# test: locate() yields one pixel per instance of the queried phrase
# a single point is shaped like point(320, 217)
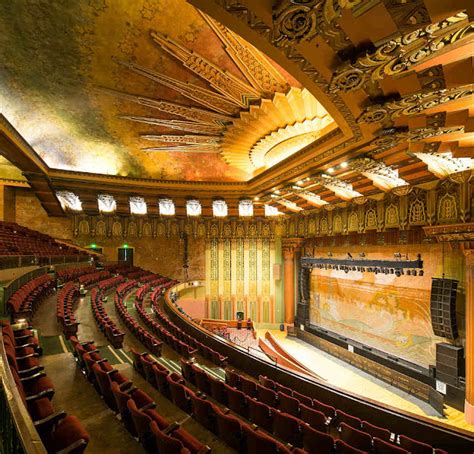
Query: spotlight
point(414, 273)
point(376, 271)
point(363, 269)
point(349, 256)
point(329, 254)
point(361, 254)
point(421, 273)
point(347, 269)
point(392, 271)
point(397, 273)
point(354, 268)
point(408, 273)
point(397, 255)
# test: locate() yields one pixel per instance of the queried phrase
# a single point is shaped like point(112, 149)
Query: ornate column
point(289, 247)
point(469, 353)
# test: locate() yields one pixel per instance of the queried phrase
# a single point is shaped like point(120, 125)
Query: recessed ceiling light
point(330, 170)
point(256, 198)
point(344, 164)
point(277, 191)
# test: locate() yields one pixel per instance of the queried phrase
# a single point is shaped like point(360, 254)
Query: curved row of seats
point(148, 285)
point(109, 283)
point(93, 278)
point(57, 430)
point(163, 334)
point(24, 302)
point(137, 409)
point(71, 274)
point(125, 288)
point(356, 433)
point(65, 300)
point(18, 240)
point(234, 431)
point(150, 341)
point(104, 322)
point(204, 350)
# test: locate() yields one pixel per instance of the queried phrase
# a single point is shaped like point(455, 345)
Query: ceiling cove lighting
point(106, 203)
point(69, 201)
point(193, 207)
point(246, 208)
point(138, 205)
point(271, 210)
point(166, 207)
point(219, 208)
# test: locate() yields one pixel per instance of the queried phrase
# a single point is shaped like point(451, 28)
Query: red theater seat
point(218, 391)
point(345, 448)
point(260, 414)
point(229, 430)
point(376, 431)
point(232, 378)
point(104, 382)
point(384, 447)
point(237, 401)
point(414, 446)
point(180, 395)
point(266, 395)
point(348, 419)
point(305, 400)
point(161, 380)
point(287, 428)
point(355, 438)
point(141, 399)
point(175, 441)
point(202, 380)
point(316, 442)
point(248, 387)
point(203, 412)
point(315, 418)
point(258, 442)
point(67, 436)
point(288, 404)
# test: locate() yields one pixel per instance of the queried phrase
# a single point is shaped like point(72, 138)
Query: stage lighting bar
point(397, 267)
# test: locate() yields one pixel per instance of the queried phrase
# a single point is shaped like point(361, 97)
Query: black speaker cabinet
point(443, 308)
point(449, 363)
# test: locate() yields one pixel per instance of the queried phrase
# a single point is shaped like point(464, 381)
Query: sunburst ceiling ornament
point(253, 121)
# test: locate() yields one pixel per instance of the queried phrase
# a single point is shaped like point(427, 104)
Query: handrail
point(18, 261)
point(15, 417)
point(421, 427)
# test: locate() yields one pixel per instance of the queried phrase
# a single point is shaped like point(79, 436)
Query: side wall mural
point(383, 311)
point(239, 277)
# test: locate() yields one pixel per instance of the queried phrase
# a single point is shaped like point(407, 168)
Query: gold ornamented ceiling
point(148, 89)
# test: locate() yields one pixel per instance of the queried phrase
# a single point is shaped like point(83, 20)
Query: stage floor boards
point(349, 378)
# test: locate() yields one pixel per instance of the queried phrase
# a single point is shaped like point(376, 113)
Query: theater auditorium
point(237, 226)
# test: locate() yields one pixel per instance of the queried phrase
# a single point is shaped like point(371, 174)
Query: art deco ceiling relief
point(253, 122)
point(296, 104)
point(148, 89)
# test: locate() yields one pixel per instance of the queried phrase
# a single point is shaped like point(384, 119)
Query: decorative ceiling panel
point(149, 89)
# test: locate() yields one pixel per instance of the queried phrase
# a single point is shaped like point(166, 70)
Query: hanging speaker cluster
point(443, 307)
